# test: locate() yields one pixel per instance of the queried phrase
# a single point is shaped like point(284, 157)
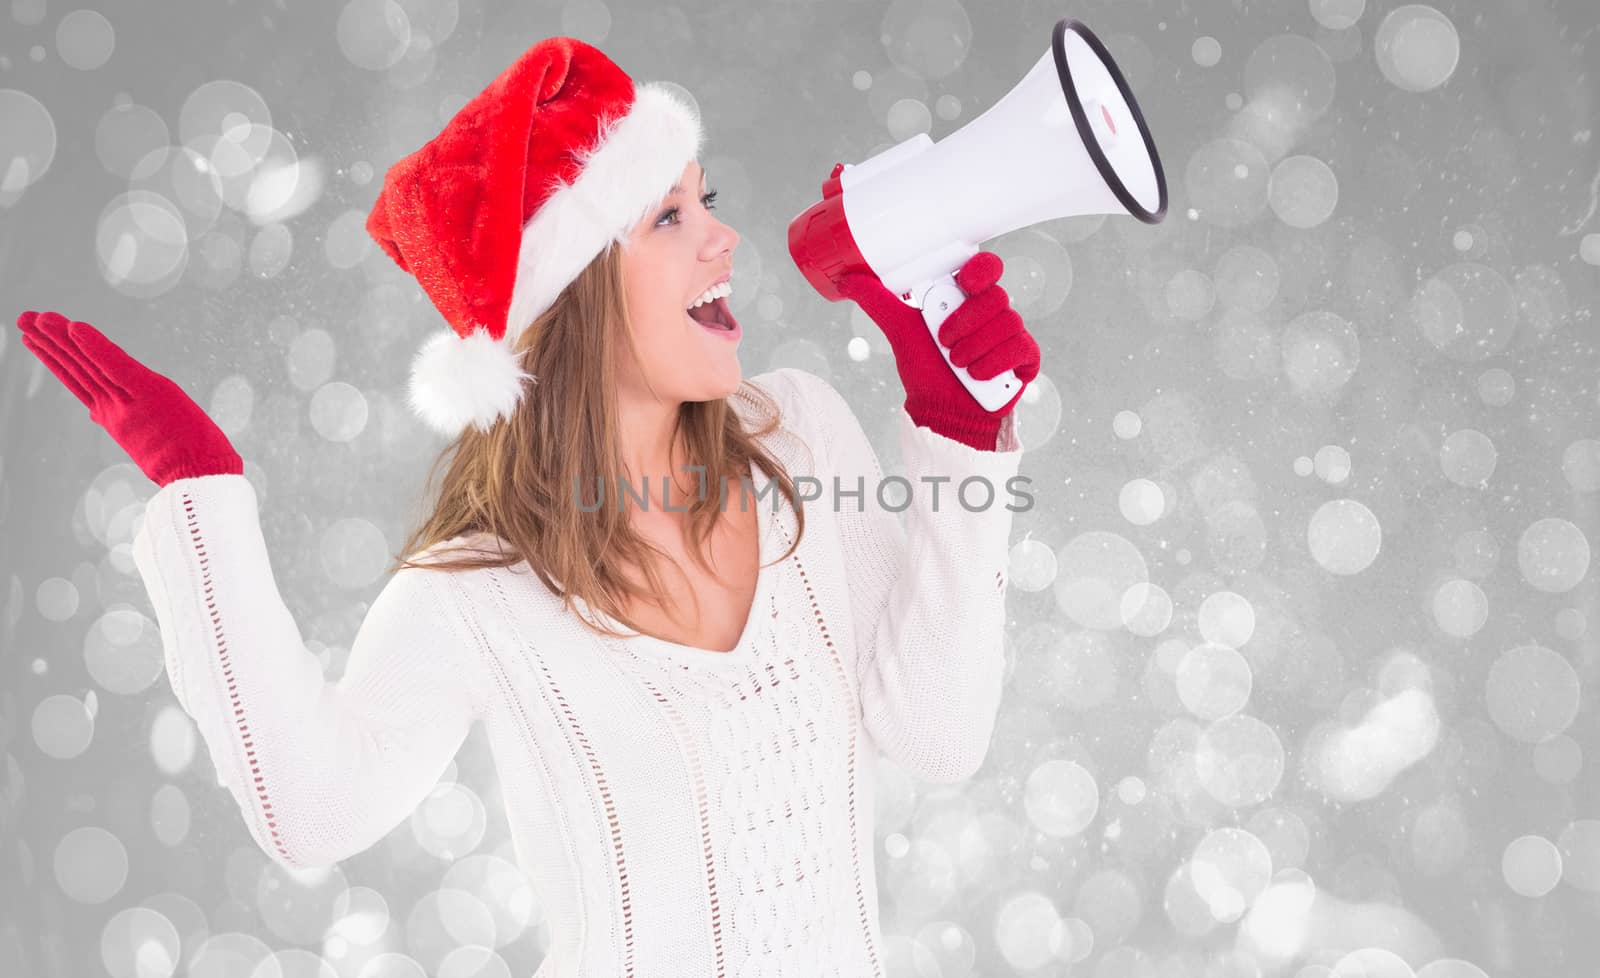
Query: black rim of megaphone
point(1107, 171)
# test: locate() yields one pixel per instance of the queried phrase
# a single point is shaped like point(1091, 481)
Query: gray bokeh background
point(1302, 665)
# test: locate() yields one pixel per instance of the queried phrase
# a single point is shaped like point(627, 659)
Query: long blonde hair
point(518, 480)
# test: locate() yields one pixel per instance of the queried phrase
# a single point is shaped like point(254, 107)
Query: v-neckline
point(755, 620)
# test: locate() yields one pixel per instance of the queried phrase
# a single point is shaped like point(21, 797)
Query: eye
point(710, 196)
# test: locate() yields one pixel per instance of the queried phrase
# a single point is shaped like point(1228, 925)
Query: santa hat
point(559, 156)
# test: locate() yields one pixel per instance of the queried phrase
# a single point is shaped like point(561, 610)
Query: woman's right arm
point(321, 771)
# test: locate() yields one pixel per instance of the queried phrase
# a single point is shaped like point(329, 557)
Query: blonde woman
point(683, 694)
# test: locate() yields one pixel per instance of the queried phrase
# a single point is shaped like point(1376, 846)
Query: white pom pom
point(456, 382)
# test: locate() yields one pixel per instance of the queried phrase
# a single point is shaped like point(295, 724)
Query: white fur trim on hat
point(632, 167)
point(456, 382)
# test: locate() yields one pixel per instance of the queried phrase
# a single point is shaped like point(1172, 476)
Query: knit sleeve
point(927, 598)
point(320, 770)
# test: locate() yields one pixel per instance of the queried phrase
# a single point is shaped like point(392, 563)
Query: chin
point(721, 384)
point(727, 389)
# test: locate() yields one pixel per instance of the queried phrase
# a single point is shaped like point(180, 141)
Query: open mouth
point(715, 317)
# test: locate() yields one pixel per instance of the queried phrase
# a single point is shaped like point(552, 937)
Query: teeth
point(712, 294)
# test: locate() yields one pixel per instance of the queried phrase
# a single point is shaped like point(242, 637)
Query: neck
point(649, 457)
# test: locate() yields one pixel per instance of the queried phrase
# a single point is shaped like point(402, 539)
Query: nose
point(724, 236)
point(730, 236)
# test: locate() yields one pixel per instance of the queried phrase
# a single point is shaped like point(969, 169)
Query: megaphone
point(1069, 139)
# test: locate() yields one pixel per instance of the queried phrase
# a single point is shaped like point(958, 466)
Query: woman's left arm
point(927, 599)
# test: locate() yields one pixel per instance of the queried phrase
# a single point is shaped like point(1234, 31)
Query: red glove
point(984, 334)
point(165, 433)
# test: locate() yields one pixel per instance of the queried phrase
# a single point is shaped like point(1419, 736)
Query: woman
point(686, 758)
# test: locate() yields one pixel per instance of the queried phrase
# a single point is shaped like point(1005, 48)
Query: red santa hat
point(559, 156)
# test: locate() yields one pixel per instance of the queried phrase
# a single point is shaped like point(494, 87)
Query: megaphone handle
point(938, 303)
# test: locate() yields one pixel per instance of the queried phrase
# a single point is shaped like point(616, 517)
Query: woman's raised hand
point(984, 334)
point(160, 427)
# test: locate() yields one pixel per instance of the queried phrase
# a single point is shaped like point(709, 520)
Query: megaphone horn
point(1068, 139)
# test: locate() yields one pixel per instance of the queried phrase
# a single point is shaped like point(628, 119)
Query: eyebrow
point(678, 189)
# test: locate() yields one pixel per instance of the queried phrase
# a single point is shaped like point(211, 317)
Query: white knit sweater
point(679, 811)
